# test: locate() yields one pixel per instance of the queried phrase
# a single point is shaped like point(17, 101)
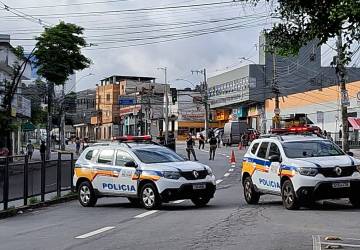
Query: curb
point(11, 212)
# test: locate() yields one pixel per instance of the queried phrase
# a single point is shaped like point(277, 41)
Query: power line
point(91, 13)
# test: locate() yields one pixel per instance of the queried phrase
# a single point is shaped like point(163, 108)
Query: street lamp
point(181, 79)
point(166, 105)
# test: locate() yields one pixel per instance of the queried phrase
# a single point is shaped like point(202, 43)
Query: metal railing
point(21, 179)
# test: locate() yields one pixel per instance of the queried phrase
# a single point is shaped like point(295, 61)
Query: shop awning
point(355, 122)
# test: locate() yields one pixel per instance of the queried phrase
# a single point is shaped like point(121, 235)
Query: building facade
point(85, 109)
point(240, 94)
point(108, 121)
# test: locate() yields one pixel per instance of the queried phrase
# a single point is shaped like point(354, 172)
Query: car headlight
point(308, 171)
point(171, 175)
point(209, 171)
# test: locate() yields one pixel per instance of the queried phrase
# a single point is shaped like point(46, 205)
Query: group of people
point(214, 142)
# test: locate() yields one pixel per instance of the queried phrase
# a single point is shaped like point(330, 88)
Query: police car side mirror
point(274, 158)
point(131, 164)
point(350, 153)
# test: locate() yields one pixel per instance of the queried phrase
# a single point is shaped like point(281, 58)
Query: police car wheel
point(149, 196)
point(251, 196)
point(86, 194)
point(355, 201)
point(200, 201)
point(290, 201)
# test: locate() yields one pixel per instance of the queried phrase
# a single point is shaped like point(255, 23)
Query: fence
point(21, 179)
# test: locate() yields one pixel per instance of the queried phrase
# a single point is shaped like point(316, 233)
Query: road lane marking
point(231, 170)
point(226, 174)
point(146, 214)
point(99, 231)
point(218, 181)
point(316, 242)
point(339, 244)
point(178, 201)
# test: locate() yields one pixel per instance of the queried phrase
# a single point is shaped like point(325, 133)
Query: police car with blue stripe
point(143, 171)
point(300, 166)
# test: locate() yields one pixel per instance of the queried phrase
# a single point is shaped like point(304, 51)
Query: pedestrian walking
point(244, 140)
point(190, 143)
point(77, 145)
point(213, 144)
point(201, 141)
point(29, 149)
point(211, 133)
point(42, 151)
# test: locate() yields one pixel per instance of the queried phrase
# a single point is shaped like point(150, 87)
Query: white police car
point(301, 168)
point(142, 171)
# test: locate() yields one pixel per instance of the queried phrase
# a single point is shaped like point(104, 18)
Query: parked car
point(233, 131)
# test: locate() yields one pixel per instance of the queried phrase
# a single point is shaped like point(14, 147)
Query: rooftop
point(117, 78)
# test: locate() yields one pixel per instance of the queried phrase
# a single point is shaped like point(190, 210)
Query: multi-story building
point(107, 121)
point(85, 109)
point(241, 93)
point(21, 106)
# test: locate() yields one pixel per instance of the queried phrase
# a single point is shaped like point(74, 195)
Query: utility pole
point(341, 71)
point(205, 99)
point(49, 125)
point(62, 120)
point(275, 88)
point(166, 106)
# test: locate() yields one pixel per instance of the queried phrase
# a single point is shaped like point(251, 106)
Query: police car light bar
point(128, 138)
point(295, 130)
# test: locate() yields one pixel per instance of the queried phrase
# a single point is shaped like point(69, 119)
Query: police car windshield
point(157, 155)
point(306, 149)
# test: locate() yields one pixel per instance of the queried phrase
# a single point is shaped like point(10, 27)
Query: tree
point(303, 21)
point(58, 55)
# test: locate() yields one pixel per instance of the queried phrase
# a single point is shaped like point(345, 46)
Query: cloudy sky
point(135, 37)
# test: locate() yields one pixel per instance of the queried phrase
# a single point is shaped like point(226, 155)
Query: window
point(89, 155)
point(106, 156)
point(157, 155)
point(274, 150)
point(107, 97)
point(254, 148)
point(122, 158)
point(262, 150)
point(307, 149)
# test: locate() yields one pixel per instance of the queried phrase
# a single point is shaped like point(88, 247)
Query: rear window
point(254, 148)
point(262, 150)
point(106, 156)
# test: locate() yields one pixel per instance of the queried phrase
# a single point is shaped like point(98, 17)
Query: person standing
point(29, 149)
point(213, 144)
point(201, 141)
point(77, 145)
point(190, 146)
point(42, 151)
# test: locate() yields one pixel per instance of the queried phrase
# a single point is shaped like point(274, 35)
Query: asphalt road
point(226, 223)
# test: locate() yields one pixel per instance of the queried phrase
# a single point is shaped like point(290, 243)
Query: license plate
point(199, 186)
point(341, 185)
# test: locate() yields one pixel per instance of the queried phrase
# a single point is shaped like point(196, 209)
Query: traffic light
point(173, 95)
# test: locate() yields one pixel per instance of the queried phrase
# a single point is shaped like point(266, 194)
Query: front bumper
point(186, 191)
point(324, 190)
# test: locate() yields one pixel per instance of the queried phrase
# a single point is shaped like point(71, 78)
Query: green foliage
point(59, 54)
point(33, 200)
point(37, 93)
point(303, 21)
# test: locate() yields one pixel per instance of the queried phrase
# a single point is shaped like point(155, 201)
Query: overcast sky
point(116, 29)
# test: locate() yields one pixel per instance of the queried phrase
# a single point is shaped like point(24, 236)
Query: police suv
point(301, 167)
point(144, 172)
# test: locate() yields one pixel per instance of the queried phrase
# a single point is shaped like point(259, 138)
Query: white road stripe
point(226, 174)
point(231, 170)
point(316, 242)
point(233, 165)
point(146, 214)
point(178, 201)
point(339, 244)
point(99, 231)
point(218, 181)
